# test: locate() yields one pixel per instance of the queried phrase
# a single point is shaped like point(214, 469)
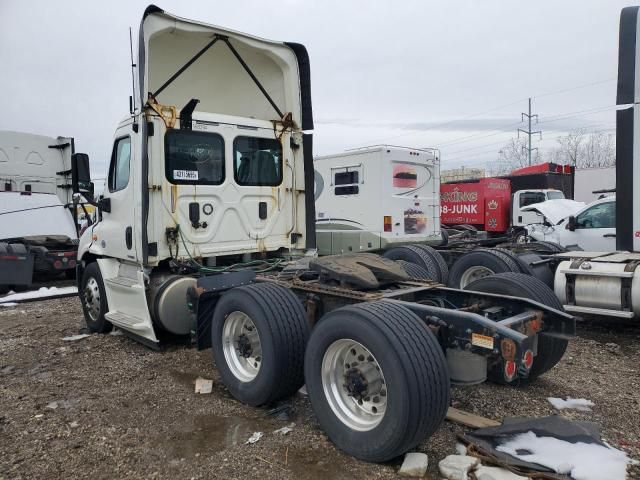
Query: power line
point(433, 127)
point(485, 150)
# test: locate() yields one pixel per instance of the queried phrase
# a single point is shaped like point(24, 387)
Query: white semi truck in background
point(206, 232)
point(38, 226)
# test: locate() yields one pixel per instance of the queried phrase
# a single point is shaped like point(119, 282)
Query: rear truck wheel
point(420, 256)
point(94, 299)
point(445, 237)
point(442, 265)
point(377, 379)
point(259, 333)
point(550, 247)
point(480, 263)
point(550, 349)
point(467, 227)
point(415, 272)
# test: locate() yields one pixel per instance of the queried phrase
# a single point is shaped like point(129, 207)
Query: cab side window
point(598, 216)
point(119, 170)
point(529, 198)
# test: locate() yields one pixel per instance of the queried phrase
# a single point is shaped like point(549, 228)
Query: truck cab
point(208, 170)
point(524, 198)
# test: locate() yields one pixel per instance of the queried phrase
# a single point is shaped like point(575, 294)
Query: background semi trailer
point(494, 204)
point(372, 198)
point(38, 226)
point(206, 232)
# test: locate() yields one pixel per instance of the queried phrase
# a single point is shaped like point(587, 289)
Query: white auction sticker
point(185, 175)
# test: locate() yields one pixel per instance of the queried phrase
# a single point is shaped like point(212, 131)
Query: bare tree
point(513, 155)
point(585, 150)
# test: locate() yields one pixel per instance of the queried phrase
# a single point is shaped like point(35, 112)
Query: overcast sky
point(438, 73)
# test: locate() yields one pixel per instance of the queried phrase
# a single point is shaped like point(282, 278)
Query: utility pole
point(528, 132)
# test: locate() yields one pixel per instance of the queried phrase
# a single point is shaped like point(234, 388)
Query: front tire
point(259, 333)
point(94, 299)
point(377, 379)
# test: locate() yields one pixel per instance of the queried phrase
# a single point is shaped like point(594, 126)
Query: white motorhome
point(377, 197)
point(36, 163)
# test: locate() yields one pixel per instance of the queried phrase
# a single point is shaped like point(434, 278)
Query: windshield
point(195, 158)
point(555, 195)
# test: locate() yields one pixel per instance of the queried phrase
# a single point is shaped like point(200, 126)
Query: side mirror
point(80, 174)
point(571, 223)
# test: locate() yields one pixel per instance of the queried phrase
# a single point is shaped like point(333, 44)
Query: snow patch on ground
point(583, 461)
point(44, 292)
point(8, 304)
point(581, 404)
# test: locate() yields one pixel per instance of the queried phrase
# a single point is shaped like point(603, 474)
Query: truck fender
point(205, 296)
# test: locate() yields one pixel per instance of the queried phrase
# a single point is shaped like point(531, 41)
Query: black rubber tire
point(443, 276)
point(493, 259)
point(550, 349)
point(467, 227)
point(542, 271)
point(282, 324)
point(550, 247)
point(414, 254)
point(413, 365)
point(522, 265)
point(415, 271)
point(101, 325)
point(445, 237)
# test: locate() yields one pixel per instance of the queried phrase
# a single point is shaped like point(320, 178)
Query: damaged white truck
point(205, 233)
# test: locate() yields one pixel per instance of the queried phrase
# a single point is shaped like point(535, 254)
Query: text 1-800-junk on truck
point(206, 232)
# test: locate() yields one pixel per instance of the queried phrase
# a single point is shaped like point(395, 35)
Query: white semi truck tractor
point(205, 233)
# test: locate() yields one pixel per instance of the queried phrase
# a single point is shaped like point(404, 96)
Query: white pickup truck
point(575, 225)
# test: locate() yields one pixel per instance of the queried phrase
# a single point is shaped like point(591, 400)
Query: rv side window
point(257, 161)
point(345, 178)
point(346, 183)
point(529, 198)
point(120, 164)
point(194, 158)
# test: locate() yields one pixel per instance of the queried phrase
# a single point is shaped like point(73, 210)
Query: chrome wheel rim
point(241, 346)
point(92, 298)
point(474, 273)
point(354, 385)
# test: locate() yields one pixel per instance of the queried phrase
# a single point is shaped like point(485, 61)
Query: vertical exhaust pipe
point(627, 142)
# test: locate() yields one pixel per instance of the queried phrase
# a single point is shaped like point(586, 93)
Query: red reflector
point(387, 223)
point(57, 264)
point(70, 254)
point(527, 359)
point(9, 257)
point(509, 370)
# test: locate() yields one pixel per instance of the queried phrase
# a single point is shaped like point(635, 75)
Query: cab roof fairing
point(217, 79)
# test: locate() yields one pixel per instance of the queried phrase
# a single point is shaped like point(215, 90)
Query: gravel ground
point(107, 407)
